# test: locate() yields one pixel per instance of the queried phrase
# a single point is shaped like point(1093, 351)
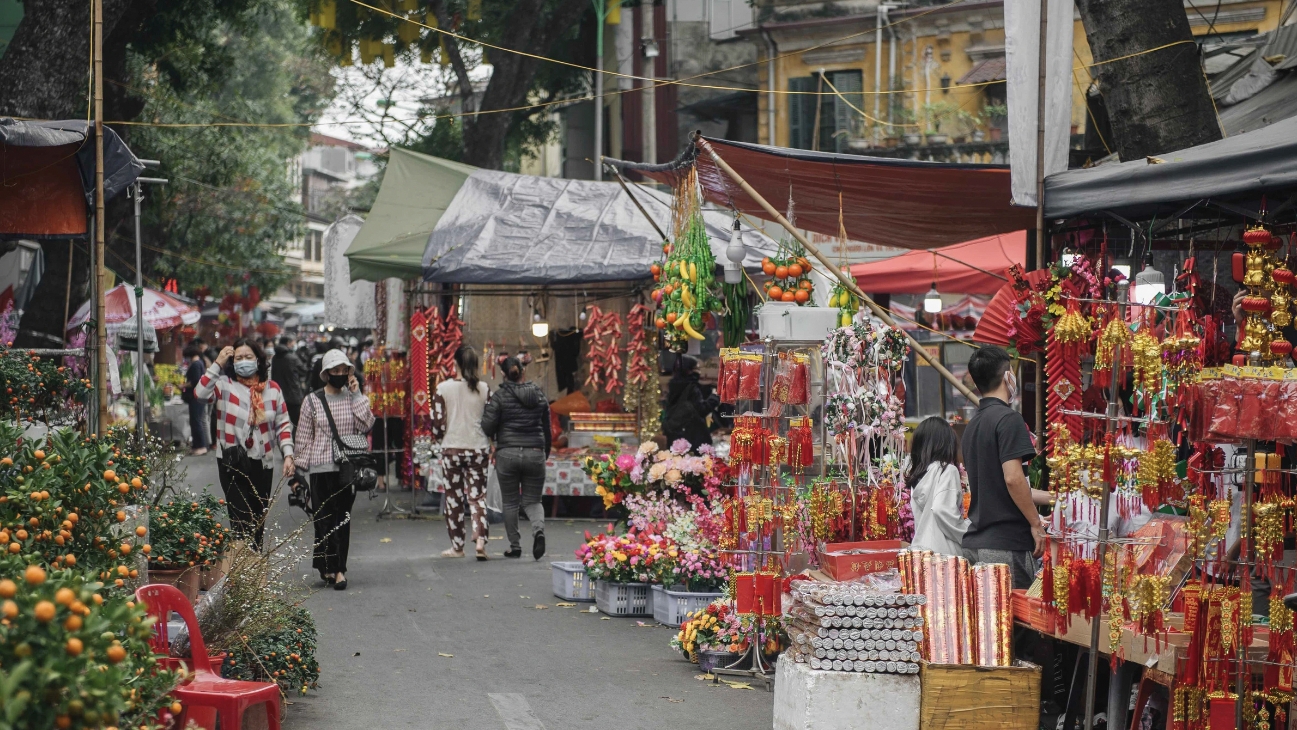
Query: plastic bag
point(749, 377)
point(728, 384)
point(791, 384)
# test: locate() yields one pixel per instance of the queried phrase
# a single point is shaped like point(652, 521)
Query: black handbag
point(357, 467)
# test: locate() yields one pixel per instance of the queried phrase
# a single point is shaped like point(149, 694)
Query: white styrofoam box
point(788, 322)
point(810, 699)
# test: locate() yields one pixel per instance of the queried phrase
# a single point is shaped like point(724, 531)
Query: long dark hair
point(466, 361)
point(263, 367)
point(934, 442)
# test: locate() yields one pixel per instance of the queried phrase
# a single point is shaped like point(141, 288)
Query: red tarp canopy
point(41, 194)
point(972, 267)
point(891, 202)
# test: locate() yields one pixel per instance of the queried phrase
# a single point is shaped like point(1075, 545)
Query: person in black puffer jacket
point(289, 372)
point(517, 418)
point(685, 415)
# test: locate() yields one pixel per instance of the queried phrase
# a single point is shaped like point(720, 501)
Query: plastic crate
point(671, 608)
point(623, 599)
point(570, 581)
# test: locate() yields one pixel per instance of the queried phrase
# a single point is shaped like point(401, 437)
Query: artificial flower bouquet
point(630, 558)
point(715, 628)
point(611, 477)
point(699, 570)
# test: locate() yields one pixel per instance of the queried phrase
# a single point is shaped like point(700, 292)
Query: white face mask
point(245, 368)
point(1011, 381)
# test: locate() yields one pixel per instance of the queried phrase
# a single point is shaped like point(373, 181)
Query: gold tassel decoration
point(408, 32)
point(329, 14)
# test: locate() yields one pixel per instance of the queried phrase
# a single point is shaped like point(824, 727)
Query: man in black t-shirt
point(1005, 527)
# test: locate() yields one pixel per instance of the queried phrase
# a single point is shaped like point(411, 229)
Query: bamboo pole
point(621, 180)
point(846, 281)
point(100, 273)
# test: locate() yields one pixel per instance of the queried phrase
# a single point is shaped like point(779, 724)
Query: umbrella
point(161, 310)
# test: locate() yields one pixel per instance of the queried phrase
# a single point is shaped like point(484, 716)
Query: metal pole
point(1092, 670)
point(878, 63)
point(1040, 207)
point(770, 89)
point(1242, 675)
point(600, 14)
point(650, 153)
point(67, 292)
point(100, 275)
point(137, 193)
point(842, 277)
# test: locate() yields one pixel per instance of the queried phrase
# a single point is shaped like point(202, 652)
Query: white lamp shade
point(540, 329)
point(932, 301)
point(1149, 283)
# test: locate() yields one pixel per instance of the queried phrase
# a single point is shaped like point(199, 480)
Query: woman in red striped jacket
point(251, 417)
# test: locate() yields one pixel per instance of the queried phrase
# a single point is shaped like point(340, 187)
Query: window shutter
point(846, 119)
point(801, 113)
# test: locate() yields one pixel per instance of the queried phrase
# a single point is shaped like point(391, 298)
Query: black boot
point(538, 546)
point(514, 552)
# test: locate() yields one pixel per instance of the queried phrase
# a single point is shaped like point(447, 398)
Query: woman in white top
point(936, 497)
point(465, 451)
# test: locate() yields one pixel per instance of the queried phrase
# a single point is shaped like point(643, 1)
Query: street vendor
point(1004, 525)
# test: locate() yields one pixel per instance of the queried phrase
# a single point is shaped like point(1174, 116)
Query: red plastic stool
point(229, 698)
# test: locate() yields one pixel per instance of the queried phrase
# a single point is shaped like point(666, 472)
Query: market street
point(514, 666)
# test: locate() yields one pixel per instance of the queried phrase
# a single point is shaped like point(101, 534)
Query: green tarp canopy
point(415, 192)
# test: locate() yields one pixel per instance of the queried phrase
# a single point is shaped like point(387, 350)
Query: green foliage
point(231, 203)
point(284, 654)
point(63, 502)
point(185, 533)
point(36, 388)
point(73, 655)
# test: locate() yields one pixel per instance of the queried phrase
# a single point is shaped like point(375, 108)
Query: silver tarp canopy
point(1244, 166)
point(503, 228)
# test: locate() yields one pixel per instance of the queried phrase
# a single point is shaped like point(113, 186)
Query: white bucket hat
point(334, 358)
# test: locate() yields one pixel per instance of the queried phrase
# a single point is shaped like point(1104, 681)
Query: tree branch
point(451, 44)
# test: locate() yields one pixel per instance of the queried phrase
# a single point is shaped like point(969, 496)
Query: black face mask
point(339, 381)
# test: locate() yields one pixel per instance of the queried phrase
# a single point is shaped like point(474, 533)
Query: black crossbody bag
point(356, 465)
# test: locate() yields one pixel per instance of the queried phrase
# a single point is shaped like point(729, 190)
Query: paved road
point(513, 666)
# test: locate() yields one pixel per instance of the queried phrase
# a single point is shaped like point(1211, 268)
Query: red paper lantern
point(1281, 347)
point(1256, 236)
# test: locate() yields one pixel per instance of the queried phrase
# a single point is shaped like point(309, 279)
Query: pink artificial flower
point(680, 447)
point(626, 462)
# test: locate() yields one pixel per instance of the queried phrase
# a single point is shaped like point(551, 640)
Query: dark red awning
point(891, 202)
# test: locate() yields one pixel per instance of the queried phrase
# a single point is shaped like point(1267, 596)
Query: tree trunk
point(1157, 101)
point(535, 31)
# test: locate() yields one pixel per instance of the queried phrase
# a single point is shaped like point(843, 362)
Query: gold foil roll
point(966, 611)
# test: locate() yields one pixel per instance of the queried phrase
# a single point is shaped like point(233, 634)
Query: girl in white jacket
point(936, 497)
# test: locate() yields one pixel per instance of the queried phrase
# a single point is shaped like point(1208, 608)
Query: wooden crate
point(966, 697)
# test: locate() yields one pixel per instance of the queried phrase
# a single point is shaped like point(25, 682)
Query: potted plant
point(76, 651)
point(188, 537)
point(993, 115)
point(623, 567)
point(712, 637)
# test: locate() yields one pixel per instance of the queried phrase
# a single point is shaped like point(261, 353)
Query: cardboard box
point(848, 560)
point(967, 697)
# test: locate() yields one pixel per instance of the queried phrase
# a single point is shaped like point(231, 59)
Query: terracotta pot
point(186, 580)
point(995, 133)
point(211, 576)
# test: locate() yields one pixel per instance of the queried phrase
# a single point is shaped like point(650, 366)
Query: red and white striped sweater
point(233, 408)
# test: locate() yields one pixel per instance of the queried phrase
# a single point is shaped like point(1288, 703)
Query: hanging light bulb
point(1149, 284)
point(932, 300)
point(734, 254)
point(539, 327)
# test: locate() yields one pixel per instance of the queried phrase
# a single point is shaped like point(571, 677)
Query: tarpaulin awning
point(1244, 166)
point(503, 228)
point(415, 192)
point(973, 267)
point(892, 202)
point(48, 170)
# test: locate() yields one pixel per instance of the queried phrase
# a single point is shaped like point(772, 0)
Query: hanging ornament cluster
point(790, 273)
point(1066, 343)
point(1113, 334)
point(688, 290)
point(643, 389)
point(1267, 300)
point(603, 333)
point(445, 335)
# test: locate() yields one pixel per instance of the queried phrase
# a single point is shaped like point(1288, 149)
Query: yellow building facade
point(936, 78)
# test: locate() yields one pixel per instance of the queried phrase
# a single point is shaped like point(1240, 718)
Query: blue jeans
point(522, 476)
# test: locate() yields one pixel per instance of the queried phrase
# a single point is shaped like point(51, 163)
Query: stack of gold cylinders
point(992, 595)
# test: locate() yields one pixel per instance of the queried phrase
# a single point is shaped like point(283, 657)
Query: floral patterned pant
point(465, 487)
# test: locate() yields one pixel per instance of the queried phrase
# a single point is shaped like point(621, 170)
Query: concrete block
point(810, 699)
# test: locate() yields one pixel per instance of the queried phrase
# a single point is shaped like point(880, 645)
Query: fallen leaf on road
point(564, 605)
point(386, 539)
point(398, 650)
point(448, 656)
point(640, 623)
point(541, 607)
point(489, 538)
point(736, 685)
point(672, 699)
point(487, 595)
point(594, 609)
point(704, 677)
point(604, 618)
point(356, 654)
point(524, 597)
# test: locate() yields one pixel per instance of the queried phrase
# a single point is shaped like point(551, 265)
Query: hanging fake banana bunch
point(846, 302)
